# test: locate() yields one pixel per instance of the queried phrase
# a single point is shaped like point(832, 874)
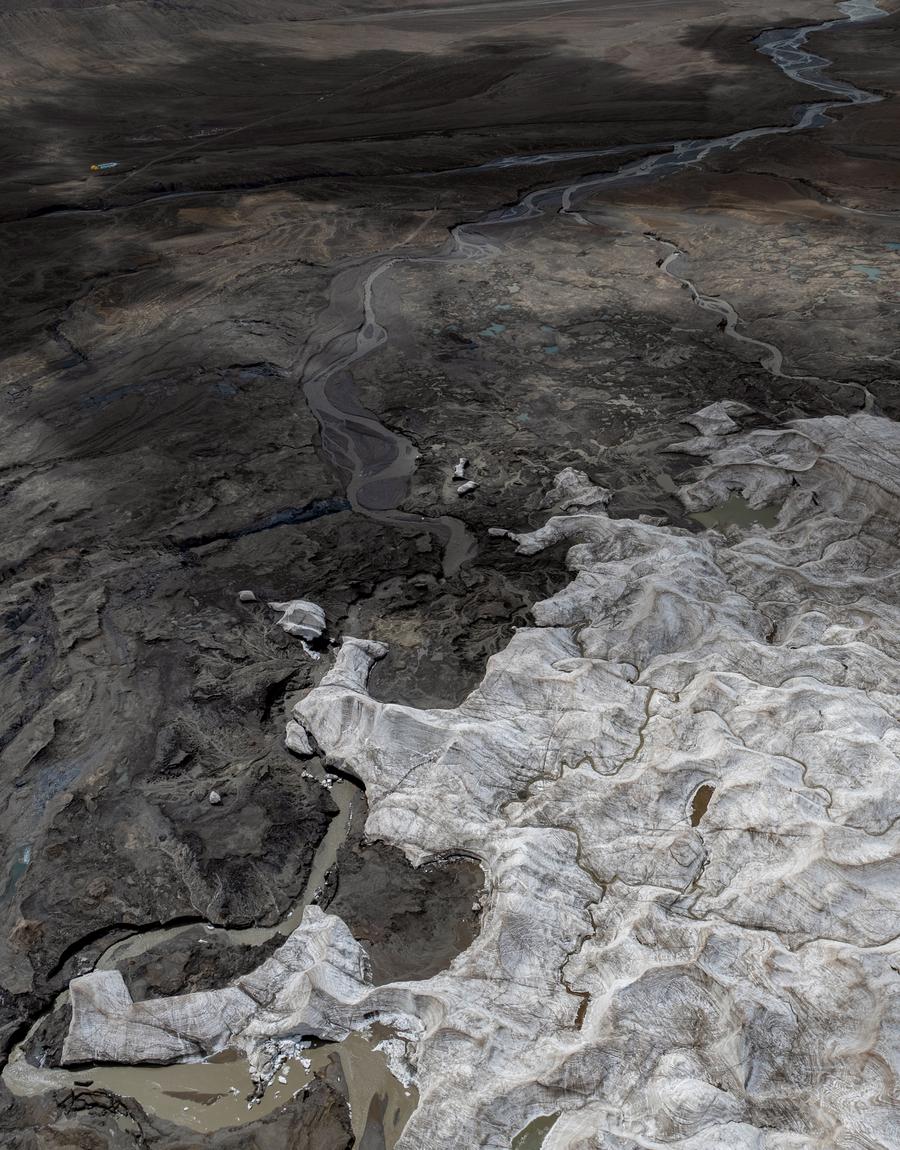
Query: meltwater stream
point(213, 1093)
point(378, 463)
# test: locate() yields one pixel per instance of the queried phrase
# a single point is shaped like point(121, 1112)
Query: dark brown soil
point(157, 456)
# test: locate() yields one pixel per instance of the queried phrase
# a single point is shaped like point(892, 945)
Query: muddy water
point(326, 855)
point(210, 1095)
point(532, 1137)
point(700, 802)
point(378, 463)
point(737, 511)
point(213, 1093)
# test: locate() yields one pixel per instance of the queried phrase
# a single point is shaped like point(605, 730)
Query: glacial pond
point(532, 1137)
point(737, 511)
point(213, 1094)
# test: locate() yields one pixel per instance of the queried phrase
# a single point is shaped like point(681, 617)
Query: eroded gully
point(377, 465)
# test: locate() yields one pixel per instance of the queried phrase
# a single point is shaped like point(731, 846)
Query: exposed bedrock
point(681, 786)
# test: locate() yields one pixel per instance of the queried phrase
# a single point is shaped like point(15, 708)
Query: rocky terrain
point(166, 317)
point(681, 785)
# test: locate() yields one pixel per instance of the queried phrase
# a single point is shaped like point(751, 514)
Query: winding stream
point(770, 357)
point(210, 1094)
point(377, 465)
point(377, 462)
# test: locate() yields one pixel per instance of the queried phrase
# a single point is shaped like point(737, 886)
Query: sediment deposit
point(651, 969)
point(380, 310)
